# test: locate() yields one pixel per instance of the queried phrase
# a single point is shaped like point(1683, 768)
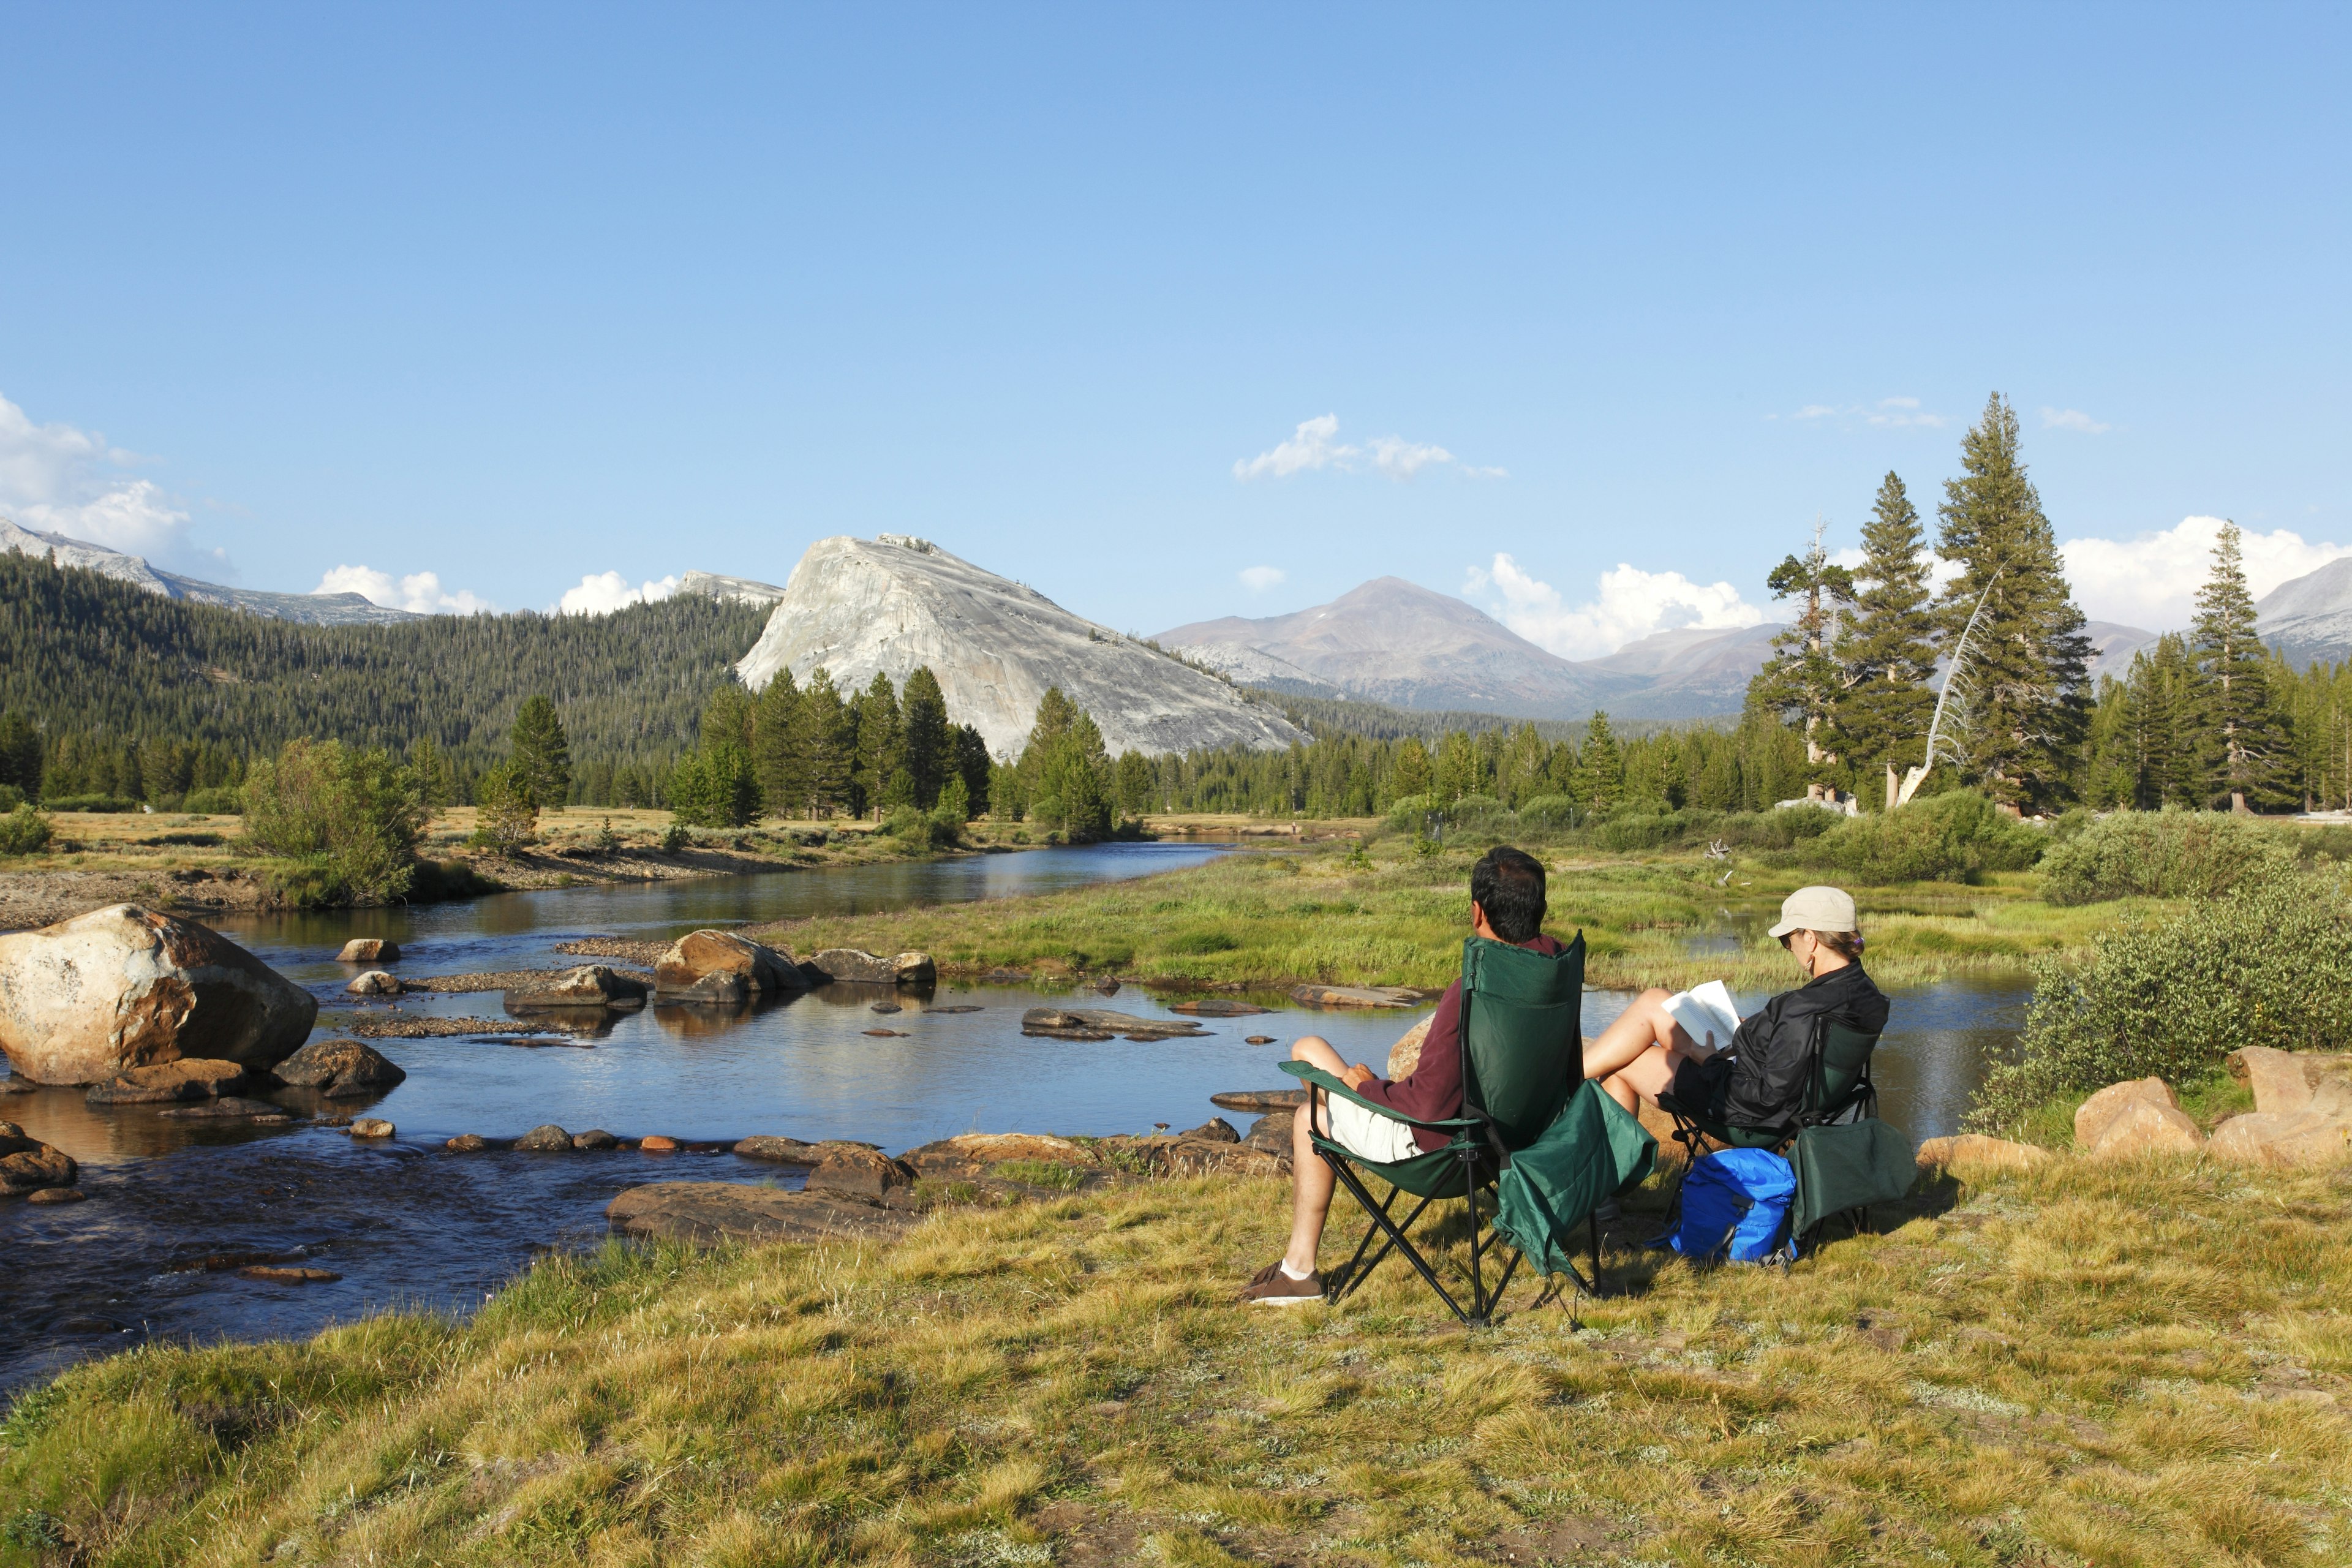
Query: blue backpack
point(1738, 1196)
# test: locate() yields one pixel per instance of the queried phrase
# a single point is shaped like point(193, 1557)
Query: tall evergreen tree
point(2161, 712)
point(2026, 704)
point(1802, 680)
point(1885, 645)
point(436, 780)
point(784, 772)
point(543, 755)
point(1411, 774)
point(1600, 766)
point(2247, 741)
point(20, 754)
point(972, 761)
point(823, 744)
point(928, 753)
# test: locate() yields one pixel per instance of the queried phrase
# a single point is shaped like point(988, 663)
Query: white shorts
point(1368, 1134)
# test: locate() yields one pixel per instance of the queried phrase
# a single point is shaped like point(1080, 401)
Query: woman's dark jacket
point(1774, 1045)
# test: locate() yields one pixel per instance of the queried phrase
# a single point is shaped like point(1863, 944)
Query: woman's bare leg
point(1635, 1057)
point(1310, 1178)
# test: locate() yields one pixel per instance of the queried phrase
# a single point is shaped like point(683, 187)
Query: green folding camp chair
point(1838, 1088)
point(1523, 1084)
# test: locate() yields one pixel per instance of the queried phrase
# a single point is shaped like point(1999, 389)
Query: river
point(406, 1224)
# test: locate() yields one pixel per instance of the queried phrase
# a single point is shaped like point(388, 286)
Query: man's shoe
point(1270, 1287)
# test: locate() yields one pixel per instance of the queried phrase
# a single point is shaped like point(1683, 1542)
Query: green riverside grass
point(2124, 1363)
point(1393, 917)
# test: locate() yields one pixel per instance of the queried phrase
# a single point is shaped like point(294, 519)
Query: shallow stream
point(407, 1225)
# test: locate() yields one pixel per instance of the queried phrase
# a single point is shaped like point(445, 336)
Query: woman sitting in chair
point(1756, 1079)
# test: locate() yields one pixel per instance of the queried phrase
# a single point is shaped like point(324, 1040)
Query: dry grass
point(2116, 1363)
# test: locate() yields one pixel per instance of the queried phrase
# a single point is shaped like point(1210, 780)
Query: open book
point(1705, 1010)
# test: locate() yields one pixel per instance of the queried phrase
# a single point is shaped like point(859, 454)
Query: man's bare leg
point(1635, 1057)
point(1310, 1178)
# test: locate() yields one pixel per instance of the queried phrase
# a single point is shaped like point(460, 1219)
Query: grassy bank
point(1387, 914)
point(2110, 1364)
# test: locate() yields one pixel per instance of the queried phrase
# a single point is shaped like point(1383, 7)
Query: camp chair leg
point(1355, 1277)
point(1348, 1274)
point(1355, 1185)
point(1480, 1306)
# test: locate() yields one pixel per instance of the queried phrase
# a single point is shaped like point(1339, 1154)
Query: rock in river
point(339, 1069)
point(711, 1211)
point(719, 966)
point(867, 1174)
point(373, 1127)
point(230, 1108)
point(1356, 996)
point(189, 1078)
point(589, 986)
point(27, 1164)
point(375, 983)
point(122, 987)
point(852, 965)
point(1094, 1022)
point(369, 950)
point(596, 1138)
point(545, 1138)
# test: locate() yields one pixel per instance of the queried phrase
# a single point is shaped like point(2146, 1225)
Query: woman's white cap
point(1816, 908)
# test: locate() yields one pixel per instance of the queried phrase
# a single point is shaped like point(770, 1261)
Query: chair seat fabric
point(1850, 1165)
point(1592, 1151)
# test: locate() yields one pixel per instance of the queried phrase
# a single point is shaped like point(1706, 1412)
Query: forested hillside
point(99, 664)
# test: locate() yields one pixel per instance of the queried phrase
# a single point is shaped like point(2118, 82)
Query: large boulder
point(2318, 1134)
point(719, 966)
point(2143, 1127)
point(339, 1069)
point(589, 986)
point(122, 987)
point(850, 1171)
point(2095, 1115)
point(1405, 1055)
point(27, 1164)
point(369, 950)
point(861, 968)
point(545, 1138)
point(2285, 1082)
point(191, 1077)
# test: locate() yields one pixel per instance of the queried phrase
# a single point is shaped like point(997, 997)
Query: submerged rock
point(122, 987)
point(589, 986)
point(1356, 996)
point(467, 1143)
point(165, 1082)
point(788, 1151)
point(288, 1274)
point(341, 1069)
point(55, 1195)
point(232, 1108)
point(1096, 1022)
point(596, 1138)
point(1216, 1008)
point(371, 1127)
point(712, 1212)
point(27, 1164)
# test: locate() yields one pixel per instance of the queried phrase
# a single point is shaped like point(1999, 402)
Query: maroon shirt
point(1432, 1091)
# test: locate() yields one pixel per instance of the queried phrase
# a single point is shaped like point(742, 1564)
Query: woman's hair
point(1844, 944)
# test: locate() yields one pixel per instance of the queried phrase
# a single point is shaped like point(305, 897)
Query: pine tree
point(2246, 741)
point(2024, 682)
point(506, 816)
point(1600, 766)
point(1802, 680)
point(926, 747)
point(542, 751)
point(783, 773)
point(973, 762)
point(1885, 645)
point(1457, 766)
point(1411, 775)
point(437, 780)
point(2160, 706)
point(1137, 785)
point(824, 742)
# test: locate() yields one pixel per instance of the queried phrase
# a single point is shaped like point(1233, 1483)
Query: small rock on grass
point(275, 1274)
point(371, 1127)
point(1216, 1130)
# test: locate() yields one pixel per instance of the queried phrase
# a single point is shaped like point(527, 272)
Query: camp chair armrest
point(1317, 1078)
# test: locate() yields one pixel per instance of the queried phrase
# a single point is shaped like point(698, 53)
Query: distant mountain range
point(317, 609)
point(1397, 643)
point(2309, 620)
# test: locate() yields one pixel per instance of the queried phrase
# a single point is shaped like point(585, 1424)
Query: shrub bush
point(224, 801)
point(1780, 829)
point(506, 813)
point(2270, 965)
point(1952, 838)
point(2163, 855)
point(24, 831)
point(350, 819)
point(1408, 811)
point(115, 802)
point(11, 797)
point(1558, 812)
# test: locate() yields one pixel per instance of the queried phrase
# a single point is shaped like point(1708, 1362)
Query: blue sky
point(520, 298)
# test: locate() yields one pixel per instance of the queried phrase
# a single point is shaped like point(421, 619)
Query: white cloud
point(1631, 604)
point(420, 591)
point(1259, 579)
point(60, 479)
point(2152, 581)
point(1316, 445)
point(1888, 413)
point(2073, 419)
point(601, 592)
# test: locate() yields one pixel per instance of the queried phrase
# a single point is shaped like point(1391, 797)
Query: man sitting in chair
point(1507, 904)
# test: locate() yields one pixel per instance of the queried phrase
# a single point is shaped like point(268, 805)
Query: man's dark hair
point(1509, 884)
